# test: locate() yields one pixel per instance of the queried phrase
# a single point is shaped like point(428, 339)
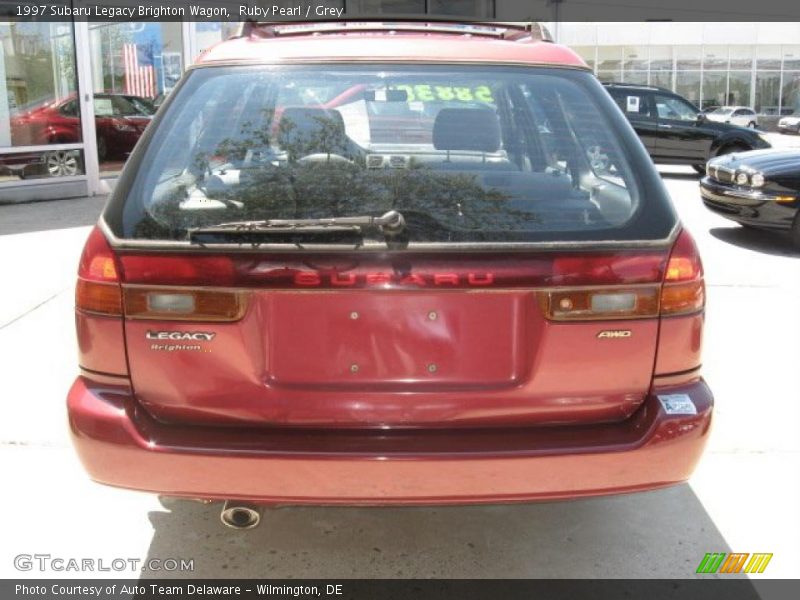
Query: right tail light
point(683, 291)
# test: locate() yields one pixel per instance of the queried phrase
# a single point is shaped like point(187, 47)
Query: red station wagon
point(389, 263)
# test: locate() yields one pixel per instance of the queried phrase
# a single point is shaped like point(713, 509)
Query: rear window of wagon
point(467, 154)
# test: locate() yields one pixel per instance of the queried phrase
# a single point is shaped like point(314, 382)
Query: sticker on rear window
point(446, 93)
point(677, 404)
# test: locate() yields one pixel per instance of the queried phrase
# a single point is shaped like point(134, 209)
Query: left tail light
point(98, 309)
point(98, 289)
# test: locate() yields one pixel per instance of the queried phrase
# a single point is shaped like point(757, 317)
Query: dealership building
point(59, 151)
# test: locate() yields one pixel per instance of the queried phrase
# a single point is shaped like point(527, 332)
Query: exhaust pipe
point(240, 515)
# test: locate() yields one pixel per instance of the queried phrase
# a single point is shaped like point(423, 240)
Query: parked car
point(756, 189)
point(120, 120)
point(790, 124)
point(408, 280)
point(674, 131)
point(743, 116)
point(52, 163)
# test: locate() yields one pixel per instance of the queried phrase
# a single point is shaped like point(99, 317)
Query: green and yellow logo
point(736, 562)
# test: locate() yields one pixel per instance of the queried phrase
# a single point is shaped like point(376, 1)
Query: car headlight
point(757, 179)
point(741, 178)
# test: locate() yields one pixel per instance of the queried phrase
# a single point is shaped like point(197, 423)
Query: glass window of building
point(609, 58)
point(134, 67)
point(661, 58)
point(635, 58)
point(635, 77)
point(768, 58)
point(741, 57)
point(791, 58)
point(687, 84)
point(715, 84)
point(38, 107)
point(609, 76)
point(609, 63)
point(715, 58)
point(768, 87)
point(790, 93)
point(661, 79)
point(688, 57)
point(739, 88)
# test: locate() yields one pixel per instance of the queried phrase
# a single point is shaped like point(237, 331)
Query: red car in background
point(379, 263)
point(120, 120)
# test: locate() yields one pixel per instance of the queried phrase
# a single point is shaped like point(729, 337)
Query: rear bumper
point(120, 445)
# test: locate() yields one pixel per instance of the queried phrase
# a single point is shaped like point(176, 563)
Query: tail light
point(600, 304)
point(98, 289)
point(682, 292)
point(98, 314)
point(684, 289)
point(184, 304)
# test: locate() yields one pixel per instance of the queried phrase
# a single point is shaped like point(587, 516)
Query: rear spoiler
point(517, 31)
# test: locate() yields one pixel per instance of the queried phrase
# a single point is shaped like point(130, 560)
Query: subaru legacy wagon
point(389, 263)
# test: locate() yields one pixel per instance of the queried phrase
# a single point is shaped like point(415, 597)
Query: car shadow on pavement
point(776, 243)
point(664, 534)
point(52, 214)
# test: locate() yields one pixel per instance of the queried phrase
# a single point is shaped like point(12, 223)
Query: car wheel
point(752, 124)
point(701, 169)
point(62, 163)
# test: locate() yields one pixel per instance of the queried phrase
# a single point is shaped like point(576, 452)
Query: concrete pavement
point(743, 497)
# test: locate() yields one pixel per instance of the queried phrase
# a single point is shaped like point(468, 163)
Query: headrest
point(466, 129)
point(303, 131)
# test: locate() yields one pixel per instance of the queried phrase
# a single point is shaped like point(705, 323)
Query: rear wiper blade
point(390, 223)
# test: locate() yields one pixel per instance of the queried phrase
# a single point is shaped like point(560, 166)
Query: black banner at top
point(784, 11)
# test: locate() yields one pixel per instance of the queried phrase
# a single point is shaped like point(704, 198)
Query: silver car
point(790, 123)
point(736, 115)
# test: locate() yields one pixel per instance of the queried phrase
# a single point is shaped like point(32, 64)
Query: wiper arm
point(390, 223)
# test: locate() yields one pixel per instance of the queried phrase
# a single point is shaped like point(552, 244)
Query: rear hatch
point(372, 342)
point(522, 286)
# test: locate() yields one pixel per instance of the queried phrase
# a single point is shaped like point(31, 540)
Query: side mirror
point(701, 117)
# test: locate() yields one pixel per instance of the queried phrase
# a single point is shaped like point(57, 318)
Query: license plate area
point(393, 339)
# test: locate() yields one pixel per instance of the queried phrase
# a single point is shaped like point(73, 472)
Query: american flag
point(140, 80)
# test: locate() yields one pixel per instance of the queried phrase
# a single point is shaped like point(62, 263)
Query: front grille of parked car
point(721, 173)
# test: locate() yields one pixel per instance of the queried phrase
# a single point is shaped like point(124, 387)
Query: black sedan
point(757, 189)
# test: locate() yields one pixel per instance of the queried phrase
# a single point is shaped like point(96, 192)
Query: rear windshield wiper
point(390, 223)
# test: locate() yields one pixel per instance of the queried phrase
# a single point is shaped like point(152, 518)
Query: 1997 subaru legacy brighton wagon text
point(373, 263)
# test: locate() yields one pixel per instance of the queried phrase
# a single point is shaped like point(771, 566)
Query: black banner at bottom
point(391, 589)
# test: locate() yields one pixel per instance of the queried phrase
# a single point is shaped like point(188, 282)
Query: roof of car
point(634, 86)
point(390, 44)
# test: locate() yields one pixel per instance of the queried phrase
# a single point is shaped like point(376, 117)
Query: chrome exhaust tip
point(240, 515)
